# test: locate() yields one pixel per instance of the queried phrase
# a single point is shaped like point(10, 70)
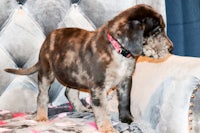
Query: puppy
point(97, 61)
point(156, 45)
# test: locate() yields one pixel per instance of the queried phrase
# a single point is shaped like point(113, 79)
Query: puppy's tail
point(27, 71)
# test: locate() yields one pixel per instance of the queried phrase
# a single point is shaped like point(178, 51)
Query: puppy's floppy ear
point(150, 24)
point(136, 25)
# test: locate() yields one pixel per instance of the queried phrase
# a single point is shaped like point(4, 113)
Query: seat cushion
point(162, 90)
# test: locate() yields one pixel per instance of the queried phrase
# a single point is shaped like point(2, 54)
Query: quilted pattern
point(23, 28)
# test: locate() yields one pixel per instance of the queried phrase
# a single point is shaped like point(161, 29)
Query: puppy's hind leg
point(45, 78)
point(73, 97)
point(123, 90)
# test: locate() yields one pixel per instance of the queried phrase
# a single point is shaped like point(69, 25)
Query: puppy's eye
point(155, 31)
point(144, 42)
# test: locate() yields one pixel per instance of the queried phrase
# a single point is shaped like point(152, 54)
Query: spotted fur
point(86, 59)
point(157, 46)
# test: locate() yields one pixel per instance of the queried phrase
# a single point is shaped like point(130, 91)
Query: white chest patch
point(118, 70)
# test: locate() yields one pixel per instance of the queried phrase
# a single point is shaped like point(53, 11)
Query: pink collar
point(118, 47)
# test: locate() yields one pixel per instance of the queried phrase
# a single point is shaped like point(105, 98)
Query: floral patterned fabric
point(62, 119)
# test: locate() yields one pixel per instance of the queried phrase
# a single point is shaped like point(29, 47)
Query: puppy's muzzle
point(169, 43)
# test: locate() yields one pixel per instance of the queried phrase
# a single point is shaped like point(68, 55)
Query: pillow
point(48, 13)
point(20, 95)
point(7, 7)
point(21, 39)
point(100, 11)
point(161, 92)
point(5, 62)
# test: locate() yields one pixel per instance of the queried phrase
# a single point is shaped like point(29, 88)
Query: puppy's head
point(141, 29)
point(156, 42)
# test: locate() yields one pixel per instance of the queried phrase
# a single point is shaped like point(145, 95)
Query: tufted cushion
point(76, 18)
point(25, 38)
point(162, 90)
point(7, 7)
point(100, 11)
point(20, 39)
point(20, 95)
point(23, 29)
point(23, 52)
point(48, 13)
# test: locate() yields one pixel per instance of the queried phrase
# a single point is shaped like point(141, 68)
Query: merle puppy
point(96, 60)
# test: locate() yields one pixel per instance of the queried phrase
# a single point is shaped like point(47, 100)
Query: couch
point(164, 95)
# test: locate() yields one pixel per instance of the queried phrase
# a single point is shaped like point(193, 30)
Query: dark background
point(183, 26)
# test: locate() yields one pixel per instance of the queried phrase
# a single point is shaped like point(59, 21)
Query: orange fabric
point(152, 60)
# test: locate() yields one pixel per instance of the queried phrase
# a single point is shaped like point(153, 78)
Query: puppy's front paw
point(41, 118)
point(41, 115)
point(106, 127)
point(127, 118)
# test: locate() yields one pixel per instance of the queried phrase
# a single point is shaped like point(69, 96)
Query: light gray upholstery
point(165, 94)
point(24, 28)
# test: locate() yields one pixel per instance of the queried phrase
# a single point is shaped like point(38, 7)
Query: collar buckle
point(125, 53)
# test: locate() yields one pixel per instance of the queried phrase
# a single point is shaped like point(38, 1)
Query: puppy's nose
point(169, 43)
point(171, 46)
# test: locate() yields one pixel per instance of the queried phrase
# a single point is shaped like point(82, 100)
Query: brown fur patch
point(83, 59)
